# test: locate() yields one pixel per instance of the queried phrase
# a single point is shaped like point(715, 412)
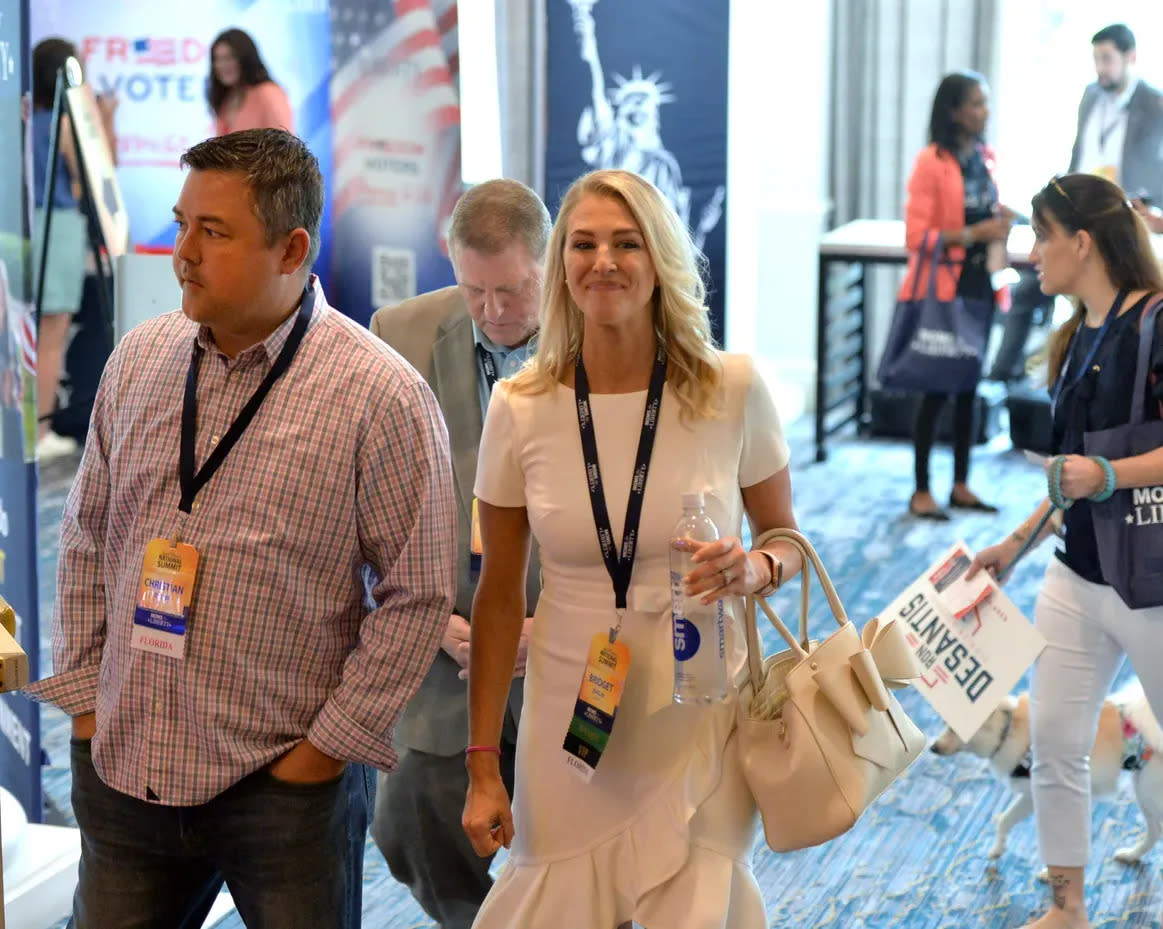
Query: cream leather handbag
point(820, 735)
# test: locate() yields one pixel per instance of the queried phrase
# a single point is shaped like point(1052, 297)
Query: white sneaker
point(52, 446)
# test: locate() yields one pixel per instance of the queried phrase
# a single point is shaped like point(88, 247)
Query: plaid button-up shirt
point(346, 464)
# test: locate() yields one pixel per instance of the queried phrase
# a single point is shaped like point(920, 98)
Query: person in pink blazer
point(239, 90)
point(952, 192)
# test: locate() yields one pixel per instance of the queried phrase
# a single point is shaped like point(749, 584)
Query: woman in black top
point(1090, 244)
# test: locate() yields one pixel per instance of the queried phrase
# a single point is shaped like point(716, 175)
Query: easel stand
point(88, 206)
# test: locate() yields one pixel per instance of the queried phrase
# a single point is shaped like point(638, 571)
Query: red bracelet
point(482, 748)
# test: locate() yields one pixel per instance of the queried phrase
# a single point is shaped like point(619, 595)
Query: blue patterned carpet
point(918, 858)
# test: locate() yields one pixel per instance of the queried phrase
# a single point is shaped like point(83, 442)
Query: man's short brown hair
point(286, 186)
point(491, 216)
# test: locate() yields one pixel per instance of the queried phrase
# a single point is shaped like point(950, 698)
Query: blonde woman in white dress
point(662, 834)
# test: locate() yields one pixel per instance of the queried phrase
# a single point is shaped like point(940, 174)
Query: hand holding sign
point(995, 560)
point(971, 641)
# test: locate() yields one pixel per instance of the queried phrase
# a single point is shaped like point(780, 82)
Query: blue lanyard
point(1068, 370)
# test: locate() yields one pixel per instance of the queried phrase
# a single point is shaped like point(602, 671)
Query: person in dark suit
point(1120, 120)
point(462, 339)
point(1119, 137)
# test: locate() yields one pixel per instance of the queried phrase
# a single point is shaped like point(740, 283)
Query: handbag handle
point(810, 559)
point(932, 254)
point(1143, 363)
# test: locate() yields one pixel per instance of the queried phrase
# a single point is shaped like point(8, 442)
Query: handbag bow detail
point(886, 662)
point(837, 738)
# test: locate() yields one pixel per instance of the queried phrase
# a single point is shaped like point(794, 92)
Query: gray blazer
point(434, 334)
point(1142, 168)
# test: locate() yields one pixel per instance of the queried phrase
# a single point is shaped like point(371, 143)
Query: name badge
point(597, 705)
point(168, 573)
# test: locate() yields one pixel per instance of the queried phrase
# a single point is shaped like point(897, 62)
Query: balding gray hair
point(491, 216)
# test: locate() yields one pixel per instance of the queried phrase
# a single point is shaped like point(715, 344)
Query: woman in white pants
point(1090, 245)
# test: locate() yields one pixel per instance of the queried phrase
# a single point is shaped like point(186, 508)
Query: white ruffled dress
point(663, 833)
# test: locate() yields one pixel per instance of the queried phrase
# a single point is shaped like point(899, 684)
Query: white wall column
point(777, 171)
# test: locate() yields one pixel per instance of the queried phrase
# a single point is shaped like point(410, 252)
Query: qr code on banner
point(393, 275)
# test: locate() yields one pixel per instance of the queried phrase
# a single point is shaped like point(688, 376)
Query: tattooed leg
point(1068, 910)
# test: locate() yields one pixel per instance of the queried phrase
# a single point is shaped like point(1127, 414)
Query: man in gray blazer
point(1120, 136)
point(1120, 120)
point(462, 339)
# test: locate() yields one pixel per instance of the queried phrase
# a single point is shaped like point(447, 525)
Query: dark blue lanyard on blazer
point(1068, 371)
point(489, 366)
point(619, 565)
point(191, 483)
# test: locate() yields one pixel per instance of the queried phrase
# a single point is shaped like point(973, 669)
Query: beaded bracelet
point(1108, 479)
point(1054, 484)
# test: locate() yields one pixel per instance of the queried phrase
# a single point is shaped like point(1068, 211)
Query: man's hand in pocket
point(305, 764)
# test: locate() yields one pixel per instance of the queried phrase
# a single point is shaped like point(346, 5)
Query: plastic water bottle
point(700, 646)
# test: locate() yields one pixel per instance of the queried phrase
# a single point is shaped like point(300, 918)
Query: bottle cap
point(693, 501)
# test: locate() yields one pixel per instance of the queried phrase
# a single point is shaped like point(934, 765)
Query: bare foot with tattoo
point(1060, 919)
point(1069, 908)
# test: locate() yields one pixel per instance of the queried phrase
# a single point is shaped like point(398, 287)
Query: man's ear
point(295, 250)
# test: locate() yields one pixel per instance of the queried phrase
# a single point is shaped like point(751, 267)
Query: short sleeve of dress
point(500, 479)
point(765, 450)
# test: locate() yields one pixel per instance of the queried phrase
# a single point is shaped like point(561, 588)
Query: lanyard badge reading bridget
point(609, 658)
point(170, 567)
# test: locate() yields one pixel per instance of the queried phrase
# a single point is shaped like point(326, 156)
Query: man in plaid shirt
point(248, 457)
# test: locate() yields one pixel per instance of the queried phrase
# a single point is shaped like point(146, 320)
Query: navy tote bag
point(1129, 526)
point(935, 346)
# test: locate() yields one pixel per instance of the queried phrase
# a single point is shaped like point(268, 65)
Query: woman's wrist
point(482, 763)
point(770, 574)
point(758, 571)
point(1109, 480)
point(1019, 536)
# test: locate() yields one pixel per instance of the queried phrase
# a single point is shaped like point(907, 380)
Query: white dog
point(1129, 738)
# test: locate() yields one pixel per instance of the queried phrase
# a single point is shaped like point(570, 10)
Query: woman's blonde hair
point(681, 322)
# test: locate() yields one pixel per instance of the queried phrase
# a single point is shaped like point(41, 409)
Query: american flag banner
point(161, 52)
point(447, 27)
point(395, 110)
point(26, 340)
point(155, 58)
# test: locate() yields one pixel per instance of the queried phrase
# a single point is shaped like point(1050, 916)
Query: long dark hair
point(252, 71)
point(47, 58)
point(1088, 202)
point(951, 93)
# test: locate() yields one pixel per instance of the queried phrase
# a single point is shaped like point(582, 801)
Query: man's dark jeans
point(285, 851)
